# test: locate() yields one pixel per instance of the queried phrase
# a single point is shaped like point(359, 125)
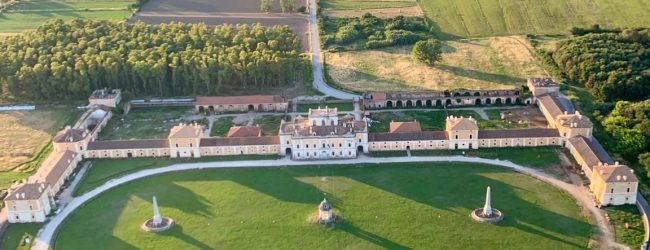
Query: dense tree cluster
point(372, 32)
point(629, 123)
point(69, 59)
point(613, 66)
point(428, 51)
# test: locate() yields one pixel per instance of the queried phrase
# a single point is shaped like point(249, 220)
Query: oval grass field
point(422, 206)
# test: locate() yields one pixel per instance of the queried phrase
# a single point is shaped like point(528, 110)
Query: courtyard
point(383, 205)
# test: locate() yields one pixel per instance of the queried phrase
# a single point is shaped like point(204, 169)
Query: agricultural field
point(144, 123)
point(25, 137)
point(381, 206)
point(28, 15)
point(472, 18)
point(488, 63)
point(223, 12)
point(380, 8)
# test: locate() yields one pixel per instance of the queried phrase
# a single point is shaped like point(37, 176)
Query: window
point(349, 144)
point(307, 145)
point(456, 136)
point(340, 145)
point(470, 136)
point(323, 145)
point(628, 190)
point(190, 145)
point(176, 144)
point(612, 191)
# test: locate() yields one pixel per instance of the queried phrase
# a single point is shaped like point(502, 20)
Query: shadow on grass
point(482, 76)
point(177, 232)
point(370, 237)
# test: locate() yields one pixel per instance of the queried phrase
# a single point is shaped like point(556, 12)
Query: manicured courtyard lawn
point(144, 123)
point(106, 169)
point(270, 124)
point(423, 206)
point(221, 126)
point(433, 120)
point(346, 106)
point(15, 233)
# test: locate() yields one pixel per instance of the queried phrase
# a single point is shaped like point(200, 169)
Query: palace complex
point(324, 134)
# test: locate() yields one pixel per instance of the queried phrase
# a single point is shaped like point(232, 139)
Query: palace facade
point(324, 134)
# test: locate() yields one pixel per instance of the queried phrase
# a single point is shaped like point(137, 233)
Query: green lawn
point(478, 18)
point(270, 124)
point(633, 235)
point(15, 233)
point(346, 106)
point(103, 170)
point(28, 15)
point(364, 4)
point(221, 126)
point(382, 206)
point(144, 123)
point(434, 120)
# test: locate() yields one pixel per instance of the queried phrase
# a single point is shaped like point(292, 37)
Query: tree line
point(63, 60)
point(613, 65)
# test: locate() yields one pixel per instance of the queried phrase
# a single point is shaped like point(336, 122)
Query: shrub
point(346, 34)
point(428, 52)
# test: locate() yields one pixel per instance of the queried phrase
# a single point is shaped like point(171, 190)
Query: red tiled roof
point(244, 131)
point(61, 165)
point(618, 173)
point(228, 100)
point(128, 144)
point(240, 141)
point(405, 127)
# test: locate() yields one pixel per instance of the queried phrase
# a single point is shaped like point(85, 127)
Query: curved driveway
point(317, 64)
point(45, 236)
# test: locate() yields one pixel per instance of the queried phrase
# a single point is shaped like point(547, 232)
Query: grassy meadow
point(381, 206)
point(489, 63)
point(144, 123)
point(480, 18)
point(28, 15)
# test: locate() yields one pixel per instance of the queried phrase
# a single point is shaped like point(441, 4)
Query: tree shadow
point(482, 76)
point(519, 213)
point(369, 237)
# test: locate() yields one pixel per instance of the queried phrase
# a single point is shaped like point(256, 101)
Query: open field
point(365, 4)
point(222, 12)
point(382, 13)
point(24, 134)
point(28, 15)
point(489, 63)
point(11, 239)
point(472, 18)
point(144, 123)
point(381, 206)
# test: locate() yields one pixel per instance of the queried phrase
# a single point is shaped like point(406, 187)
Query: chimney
point(566, 112)
point(618, 177)
point(632, 171)
point(17, 195)
point(615, 163)
point(40, 189)
point(22, 195)
point(625, 177)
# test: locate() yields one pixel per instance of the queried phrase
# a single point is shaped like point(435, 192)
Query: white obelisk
point(487, 208)
point(157, 219)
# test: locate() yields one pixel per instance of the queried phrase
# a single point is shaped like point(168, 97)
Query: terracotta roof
point(61, 165)
point(244, 131)
point(415, 136)
point(461, 123)
point(26, 191)
point(552, 104)
point(575, 120)
point(128, 144)
point(405, 127)
point(591, 151)
point(233, 100)
point(240, 141)
point(616, 173)
point(518, 133)
point(69, 135)
point(186, 131)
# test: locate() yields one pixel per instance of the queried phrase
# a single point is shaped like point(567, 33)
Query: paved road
point(314, 44)
point(44, 238)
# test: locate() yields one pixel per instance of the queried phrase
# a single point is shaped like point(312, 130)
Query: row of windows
point(323, 145)
point(316, 153)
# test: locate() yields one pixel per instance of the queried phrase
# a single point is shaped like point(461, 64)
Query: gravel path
point(45, 236)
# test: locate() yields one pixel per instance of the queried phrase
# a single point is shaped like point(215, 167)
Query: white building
point(323, 135)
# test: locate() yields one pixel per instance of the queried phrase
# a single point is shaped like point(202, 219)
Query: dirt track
point(222, 12)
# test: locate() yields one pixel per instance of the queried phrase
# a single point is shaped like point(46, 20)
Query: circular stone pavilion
point(487, 214)
point(157, 223)
point(325, 213)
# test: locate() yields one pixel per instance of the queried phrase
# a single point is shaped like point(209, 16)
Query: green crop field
point(422, 206)
point(476, 18)
point(365, 4)
point(27, 15)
